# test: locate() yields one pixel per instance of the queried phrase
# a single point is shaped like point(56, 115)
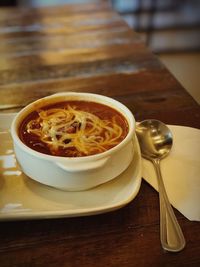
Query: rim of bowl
point(73, 96)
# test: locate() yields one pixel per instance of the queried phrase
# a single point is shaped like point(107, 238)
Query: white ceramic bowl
point(74, 173)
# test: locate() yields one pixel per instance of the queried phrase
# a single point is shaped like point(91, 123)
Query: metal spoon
point(156, 140)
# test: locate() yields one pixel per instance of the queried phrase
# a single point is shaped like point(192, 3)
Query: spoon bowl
point(156, 140)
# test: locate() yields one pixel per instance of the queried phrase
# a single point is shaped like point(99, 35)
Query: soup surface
point(73, 129)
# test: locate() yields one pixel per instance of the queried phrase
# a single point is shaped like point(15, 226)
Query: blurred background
point(170, 28)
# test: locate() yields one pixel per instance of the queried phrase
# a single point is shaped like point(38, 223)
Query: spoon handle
point(171, 235)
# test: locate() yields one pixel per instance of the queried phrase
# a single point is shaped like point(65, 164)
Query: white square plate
point(22, 198)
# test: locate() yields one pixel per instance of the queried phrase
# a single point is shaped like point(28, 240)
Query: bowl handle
point(82, 166)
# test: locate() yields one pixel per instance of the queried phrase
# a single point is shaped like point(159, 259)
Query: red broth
point(73, 129)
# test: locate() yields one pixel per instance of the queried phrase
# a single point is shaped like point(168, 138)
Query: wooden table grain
point(89, 48)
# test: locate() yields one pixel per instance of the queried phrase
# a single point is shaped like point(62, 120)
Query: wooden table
point(89, 48)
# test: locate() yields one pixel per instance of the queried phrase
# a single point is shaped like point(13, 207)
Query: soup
point(73, 129)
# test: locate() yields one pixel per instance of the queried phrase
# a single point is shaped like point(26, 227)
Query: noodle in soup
point(73, 129)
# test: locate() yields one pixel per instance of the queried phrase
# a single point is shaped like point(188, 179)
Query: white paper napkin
point(181, 171)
